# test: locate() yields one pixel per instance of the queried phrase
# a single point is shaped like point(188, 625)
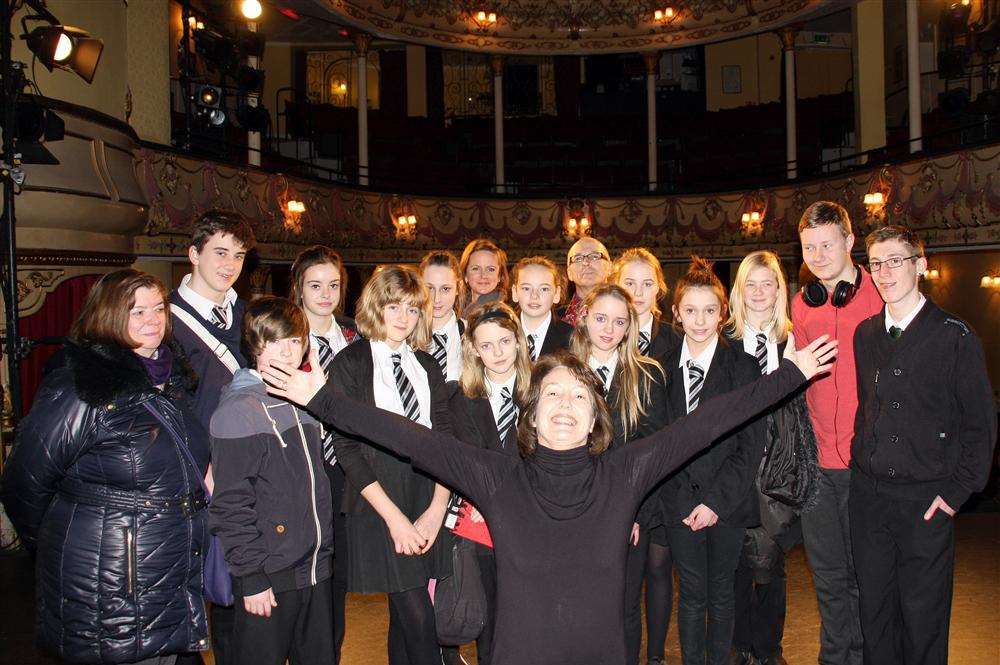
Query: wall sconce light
point(754, 213)
point(293, 215)
point(577, 223)
point(932, 274)
point(404, 219)
point(990, 281)
point(665, 15)
point(484, 20)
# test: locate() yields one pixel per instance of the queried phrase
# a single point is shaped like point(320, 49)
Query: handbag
point(788, 469)
point(459, 599)
point(216, 580)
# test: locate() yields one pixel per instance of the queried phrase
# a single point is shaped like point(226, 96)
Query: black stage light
point(66, 47)
point(208, 99)
point(249, 79)
point(253, 118)
point(252, 43)
point(952, 62)
point(34, 126)
point(218, 52)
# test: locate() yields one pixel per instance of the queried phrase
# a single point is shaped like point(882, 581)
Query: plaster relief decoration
point(953, 200)
point(35, 283)
point(561, 27)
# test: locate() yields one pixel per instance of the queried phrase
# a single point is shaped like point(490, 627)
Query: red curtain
point(52, 320)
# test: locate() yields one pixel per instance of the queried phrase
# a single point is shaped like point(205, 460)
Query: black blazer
point(556, 337)
point(722, 476)
point(663, 340)
point(353, 372)
point(473, 422)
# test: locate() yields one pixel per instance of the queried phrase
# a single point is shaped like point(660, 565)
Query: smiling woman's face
point(564, 417)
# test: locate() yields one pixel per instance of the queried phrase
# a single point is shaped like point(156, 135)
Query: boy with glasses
point(588, 265)
point(924, 437)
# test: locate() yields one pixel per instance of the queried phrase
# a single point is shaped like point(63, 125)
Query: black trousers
point(826, 533)
point(905, 568)
point(649, 561)
point(706, 563)
point(298, 630)
point(338, 582)
point(221, 620)
point(760, 607)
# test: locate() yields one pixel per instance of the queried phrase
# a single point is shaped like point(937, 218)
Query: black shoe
point(452, 656)
point(740, 657)
point(655, 661)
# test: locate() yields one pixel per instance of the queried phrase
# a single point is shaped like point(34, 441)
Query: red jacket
point(833, 398)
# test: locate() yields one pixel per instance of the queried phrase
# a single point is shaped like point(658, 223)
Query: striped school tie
point(643, 342)
point(325, 353)
point(532, 347)
point(602, 373)
point(696, 379)
point(508, 415)
point(761, 352)
point(411, 407)
point(440, 352)
point(219, 318)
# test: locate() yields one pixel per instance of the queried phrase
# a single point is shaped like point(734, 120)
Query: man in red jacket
point(841, 297)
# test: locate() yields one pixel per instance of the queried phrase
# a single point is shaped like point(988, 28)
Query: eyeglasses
point(891, 263)
point(593, 257)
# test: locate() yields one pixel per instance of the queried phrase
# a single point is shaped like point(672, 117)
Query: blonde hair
point(473, 378)
point(394, 284)
point(643, 255)
point(558, 277)
point(636, 369)
point(503, 278)
point(781, 323)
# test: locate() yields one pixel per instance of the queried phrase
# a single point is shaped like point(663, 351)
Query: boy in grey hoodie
point(271, 508)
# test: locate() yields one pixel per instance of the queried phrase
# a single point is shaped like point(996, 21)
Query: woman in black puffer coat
point(104, 494)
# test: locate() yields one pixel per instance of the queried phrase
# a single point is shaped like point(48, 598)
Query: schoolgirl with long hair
point(538, 286)
point(442, 276)
point(606, 337)
point(640, 273)
point(394, 514)
point(709, 502)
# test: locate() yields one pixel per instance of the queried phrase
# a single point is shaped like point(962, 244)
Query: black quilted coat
point(97, 486)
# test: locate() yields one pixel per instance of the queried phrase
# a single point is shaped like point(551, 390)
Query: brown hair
point(527, 432)
point(896, 232)
point(270, 318)
point(558, 277)
point(104, 317)
point(700, 274)
point(823, 213)
point(473, 379)
point(225, 222)
point(445, 259)
point(636, 368)
point(394, 284)
point(316, 255)
point(643, 255)
point(484, 245)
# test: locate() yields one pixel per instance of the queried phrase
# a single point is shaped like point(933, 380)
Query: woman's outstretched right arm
point(474, 472)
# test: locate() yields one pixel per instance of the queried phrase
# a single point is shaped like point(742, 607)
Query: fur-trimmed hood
point(103, 373)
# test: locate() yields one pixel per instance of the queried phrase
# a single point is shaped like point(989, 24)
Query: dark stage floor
point(975, 626)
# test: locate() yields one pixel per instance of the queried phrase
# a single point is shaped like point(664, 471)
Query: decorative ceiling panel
point(564, 27)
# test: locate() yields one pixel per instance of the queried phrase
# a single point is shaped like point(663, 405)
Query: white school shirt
point(906, 320)
point(384, 380)
point(453, 347)
point(495, 391)
point(203, 305)
point(538, 333)
point(611, 363)
point(703, 360)
point(335, 337)
point(750, 345)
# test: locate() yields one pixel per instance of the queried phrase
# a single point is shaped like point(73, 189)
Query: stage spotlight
point(253, 118)
point(218, 51)
point(251, 9)
point(34, 126)
point(249, 79)
point(66, 47)
point(208, 99)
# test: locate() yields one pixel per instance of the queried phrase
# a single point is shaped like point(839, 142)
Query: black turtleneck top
point(559, 519)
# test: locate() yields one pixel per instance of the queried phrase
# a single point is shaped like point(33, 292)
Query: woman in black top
point(559, 515)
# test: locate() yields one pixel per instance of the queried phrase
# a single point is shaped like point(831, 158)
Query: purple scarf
point(158, 368)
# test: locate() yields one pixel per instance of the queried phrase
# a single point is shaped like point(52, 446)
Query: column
point(253, 138)
point(496, 62)
point(913, 76)
point(652, 61)
point(791, 144)
point(868, 52)
point(361, 43)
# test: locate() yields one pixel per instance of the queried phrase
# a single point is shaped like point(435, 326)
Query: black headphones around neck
point(814, 293)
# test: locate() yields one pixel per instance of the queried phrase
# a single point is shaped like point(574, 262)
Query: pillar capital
point(496, 63)
point(788, 35)
point(652, 61)
point(362, 40)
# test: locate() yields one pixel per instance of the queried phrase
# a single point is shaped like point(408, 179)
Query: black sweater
point(926, 423)
point(559, 519)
